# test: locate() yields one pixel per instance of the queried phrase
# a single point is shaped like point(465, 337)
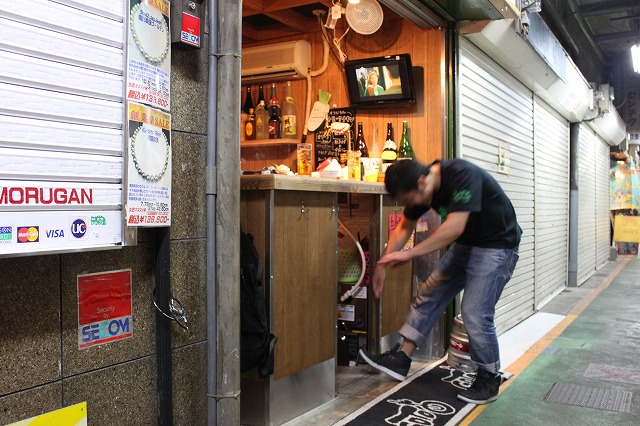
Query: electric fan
point(364, 17)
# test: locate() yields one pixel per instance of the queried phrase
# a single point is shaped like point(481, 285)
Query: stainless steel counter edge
point(305, 183)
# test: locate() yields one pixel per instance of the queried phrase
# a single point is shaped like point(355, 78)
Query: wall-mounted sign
point(332, 144)
point(62, 120)
point(149, 169)
point(73, 415)
point(190, 33)
point(149, 66)
point(104, 308)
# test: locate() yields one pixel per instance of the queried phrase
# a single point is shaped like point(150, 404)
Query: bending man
point(480, 221)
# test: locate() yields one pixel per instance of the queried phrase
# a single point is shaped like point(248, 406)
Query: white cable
point(356, 287)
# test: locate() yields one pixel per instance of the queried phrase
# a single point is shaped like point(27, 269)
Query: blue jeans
point(482, 273)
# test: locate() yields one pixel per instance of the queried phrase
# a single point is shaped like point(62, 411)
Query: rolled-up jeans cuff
point(494, 367)
point(412, 334)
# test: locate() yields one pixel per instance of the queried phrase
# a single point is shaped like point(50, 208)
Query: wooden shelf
point(268, 142)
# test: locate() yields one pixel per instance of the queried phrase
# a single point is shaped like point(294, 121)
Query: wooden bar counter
point(294, 221)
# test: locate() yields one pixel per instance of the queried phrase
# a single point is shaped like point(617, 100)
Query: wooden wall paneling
point(398, 289)
point(426, 118)
point(304, 280)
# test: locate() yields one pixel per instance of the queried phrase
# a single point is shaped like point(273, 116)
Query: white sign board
point(62, 118)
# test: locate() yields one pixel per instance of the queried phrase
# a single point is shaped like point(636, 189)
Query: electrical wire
point(348, 295)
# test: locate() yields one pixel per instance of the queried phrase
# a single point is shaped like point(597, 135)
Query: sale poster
point(149, 167)
point(104, 308)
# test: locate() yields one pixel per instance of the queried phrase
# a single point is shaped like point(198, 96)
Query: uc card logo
point(79, 228)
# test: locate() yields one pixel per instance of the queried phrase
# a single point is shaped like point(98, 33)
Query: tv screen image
point(385, 81)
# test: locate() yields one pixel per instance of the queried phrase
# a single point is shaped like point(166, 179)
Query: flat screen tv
point(384, 81)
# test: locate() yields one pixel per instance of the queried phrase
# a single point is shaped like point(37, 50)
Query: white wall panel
point(59, 166)
point(62, 118)
point(28, 102)
point(552, 201)
point(497, 110)
point(587, 203)
point(603, 200)
point(55, 136)
point(39, 42)
point(52, 75)
point(65, 19)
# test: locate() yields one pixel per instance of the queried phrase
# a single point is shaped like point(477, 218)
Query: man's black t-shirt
point(465, 187)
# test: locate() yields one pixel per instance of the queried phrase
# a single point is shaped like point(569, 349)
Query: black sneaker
point(483, 389)
point(395, 362)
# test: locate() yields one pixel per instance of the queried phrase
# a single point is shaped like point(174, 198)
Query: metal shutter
point(62, 115)
point(587, 211)
point(603, 200)
point(551, 141)
point(497, 109)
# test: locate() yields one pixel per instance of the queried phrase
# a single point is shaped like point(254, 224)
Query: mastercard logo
point(28, 234)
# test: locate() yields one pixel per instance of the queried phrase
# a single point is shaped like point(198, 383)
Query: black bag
point(256, 342)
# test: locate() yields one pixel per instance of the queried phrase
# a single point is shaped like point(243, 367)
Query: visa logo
point(55, 233)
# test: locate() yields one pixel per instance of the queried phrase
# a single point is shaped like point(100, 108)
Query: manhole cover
point(584, 396)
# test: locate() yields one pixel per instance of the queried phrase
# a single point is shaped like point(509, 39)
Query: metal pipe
point(574, 136)
point(223, 212)
point(163, 328)
point(210, 188)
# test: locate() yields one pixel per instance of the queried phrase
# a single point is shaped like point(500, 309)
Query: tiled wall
point(43, 369)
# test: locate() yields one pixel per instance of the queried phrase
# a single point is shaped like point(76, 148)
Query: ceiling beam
point(293, 20)
point(608, 7)
point(618, 37)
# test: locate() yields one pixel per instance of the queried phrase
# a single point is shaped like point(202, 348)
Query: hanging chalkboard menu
point(332, 144)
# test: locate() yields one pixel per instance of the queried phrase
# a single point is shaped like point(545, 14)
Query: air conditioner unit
point(276, 62)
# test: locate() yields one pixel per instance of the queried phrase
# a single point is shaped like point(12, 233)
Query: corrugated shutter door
point(587, 203)
point(496, 111)
point(552, 201)
point(603, 200)
point(62, 115)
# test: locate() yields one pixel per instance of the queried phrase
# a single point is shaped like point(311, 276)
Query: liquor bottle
point(360, 142)
point(261, 95)
point(262, 121)
point(274, 105)
point(250, 126)
point(275, 125)
point(289, 128)
point(248, 101)
point(405, 150)
point(389, 151)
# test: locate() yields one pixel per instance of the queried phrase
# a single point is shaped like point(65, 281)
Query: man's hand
point(378, 280)
point(396, 258)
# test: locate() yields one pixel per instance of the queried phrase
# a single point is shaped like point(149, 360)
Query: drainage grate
point(584, 396)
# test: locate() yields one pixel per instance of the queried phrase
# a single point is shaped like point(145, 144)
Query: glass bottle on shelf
point(275, 125)
point(261, 95)
point(248, 101)
point(262, 121)
point(250, 126)
point(360, 142)
point(405, 150)
point(389, 152)
point(274, 105)
point(289, 128)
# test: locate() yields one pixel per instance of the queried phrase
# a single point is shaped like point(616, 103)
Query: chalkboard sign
point(327, 144)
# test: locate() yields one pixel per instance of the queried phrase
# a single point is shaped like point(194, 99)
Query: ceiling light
point(354, 1)
point(635, 57)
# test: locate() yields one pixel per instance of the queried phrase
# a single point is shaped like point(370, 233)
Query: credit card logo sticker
point(6, 234)
point(28, 234)
point(78, 228)
point(54, 233)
